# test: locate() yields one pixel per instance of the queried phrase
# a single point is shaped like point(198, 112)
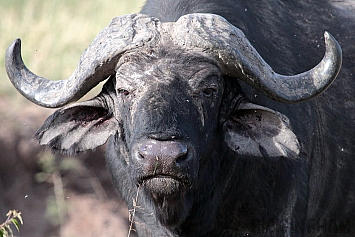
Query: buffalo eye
point(123, 92)
point(209, 91)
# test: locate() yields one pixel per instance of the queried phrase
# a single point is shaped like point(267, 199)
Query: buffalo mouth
point(164, 185)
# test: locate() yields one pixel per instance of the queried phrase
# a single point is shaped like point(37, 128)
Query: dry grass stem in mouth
point(132, 212)
point(156, 165)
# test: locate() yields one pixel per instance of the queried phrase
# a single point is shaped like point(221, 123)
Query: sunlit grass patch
point(54, 33)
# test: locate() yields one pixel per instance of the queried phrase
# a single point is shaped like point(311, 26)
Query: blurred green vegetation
point(54, 33)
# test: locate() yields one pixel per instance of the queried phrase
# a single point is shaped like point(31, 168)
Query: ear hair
point(258, 131)
point(81, 126)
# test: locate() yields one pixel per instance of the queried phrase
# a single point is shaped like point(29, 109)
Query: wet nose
point(167, 153)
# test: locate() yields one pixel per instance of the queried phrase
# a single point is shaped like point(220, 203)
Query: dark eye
point(123, 92)
point(209, 91)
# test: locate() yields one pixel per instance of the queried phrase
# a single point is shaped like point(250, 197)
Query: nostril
point(181, 159)
point(140, 155)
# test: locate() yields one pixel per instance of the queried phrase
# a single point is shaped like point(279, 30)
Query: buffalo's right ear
point(78, 127)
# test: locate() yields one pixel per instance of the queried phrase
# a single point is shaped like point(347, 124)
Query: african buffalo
point(205, 135)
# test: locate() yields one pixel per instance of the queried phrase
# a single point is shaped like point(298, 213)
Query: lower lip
point(164, 185)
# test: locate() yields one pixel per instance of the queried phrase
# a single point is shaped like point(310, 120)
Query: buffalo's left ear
point(77, 128)
point(258, 131)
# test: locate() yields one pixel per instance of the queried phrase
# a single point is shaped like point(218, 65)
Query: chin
point(170, 197)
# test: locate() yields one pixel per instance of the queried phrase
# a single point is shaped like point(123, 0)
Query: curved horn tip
point(333, 48)
point(21, 77)
point(15, 46)
point(331, 41)
point(314, 81)
point(12, 50)
point(13, 55)
point(17, 42)
point(328, 36)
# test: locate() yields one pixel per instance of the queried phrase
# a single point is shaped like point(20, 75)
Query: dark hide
point(288, 35)
point(202, 158)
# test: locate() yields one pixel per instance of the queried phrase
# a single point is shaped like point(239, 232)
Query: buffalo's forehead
point(139, 69)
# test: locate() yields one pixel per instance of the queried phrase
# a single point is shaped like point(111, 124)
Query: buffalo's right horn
point(97, 62)
point(238, 58)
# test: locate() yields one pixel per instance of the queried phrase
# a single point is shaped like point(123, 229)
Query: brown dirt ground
point(92, 207)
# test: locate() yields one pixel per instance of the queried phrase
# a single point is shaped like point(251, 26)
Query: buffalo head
point(172, 96)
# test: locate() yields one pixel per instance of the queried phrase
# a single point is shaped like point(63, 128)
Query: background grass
point(54, 33)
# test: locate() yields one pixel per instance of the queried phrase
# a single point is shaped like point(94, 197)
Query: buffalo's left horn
point(97, 62)
point(238, 58)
